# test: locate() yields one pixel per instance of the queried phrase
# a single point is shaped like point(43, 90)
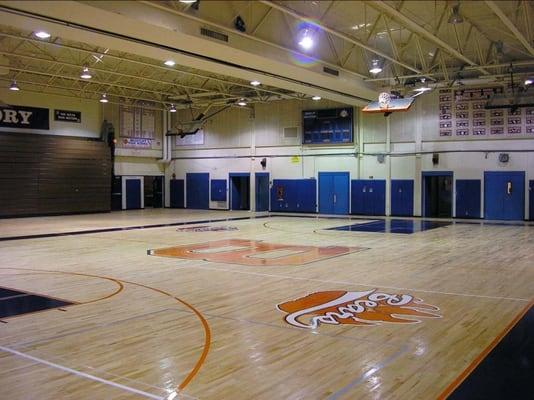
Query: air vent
point(331, 71)
point(214, 35)
point(291, 132)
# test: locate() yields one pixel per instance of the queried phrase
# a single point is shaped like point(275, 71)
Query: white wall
point(90, 109)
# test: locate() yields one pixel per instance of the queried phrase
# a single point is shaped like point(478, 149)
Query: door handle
point(335, 199)
point(509, 187)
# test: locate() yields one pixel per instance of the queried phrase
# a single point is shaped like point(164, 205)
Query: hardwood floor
point(145, 326)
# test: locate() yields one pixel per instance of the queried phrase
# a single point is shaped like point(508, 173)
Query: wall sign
point(137, 122)
point(139, 143)
point(24, 117)
point(68, 116)
point(370, 307)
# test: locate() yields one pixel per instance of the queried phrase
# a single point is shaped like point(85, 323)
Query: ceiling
point(410, 39)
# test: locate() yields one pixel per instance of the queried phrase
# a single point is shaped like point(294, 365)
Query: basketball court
point(195, 207)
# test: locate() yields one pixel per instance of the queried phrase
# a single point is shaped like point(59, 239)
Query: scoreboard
point(327, 126)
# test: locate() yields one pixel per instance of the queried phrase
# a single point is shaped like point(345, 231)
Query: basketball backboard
point(394, 105)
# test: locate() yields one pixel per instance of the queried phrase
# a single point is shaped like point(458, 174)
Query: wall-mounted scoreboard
point(327, 126)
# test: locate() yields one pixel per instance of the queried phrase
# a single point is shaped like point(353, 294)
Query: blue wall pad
point(294, 195)
point(368, 197)
point(197, 190)
point(177, 193)
point(404, 226)
point(468, 198)
point(402, 197)
point(218, 190)
point(504, 195)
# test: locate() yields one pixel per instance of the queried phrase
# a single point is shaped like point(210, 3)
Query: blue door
point(531, 200)
point(504, 195)
point(240, 191)
point(262, 191)
point(368, 197)
point(306, 194)
point(218, 190)
point(334, 192)
point(402, 197)
point(133, 194)
point(357, 199)
point(197, 189)
point(177, 193)
point(468, 198)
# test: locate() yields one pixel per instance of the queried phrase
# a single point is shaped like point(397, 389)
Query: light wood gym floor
point(145, 326)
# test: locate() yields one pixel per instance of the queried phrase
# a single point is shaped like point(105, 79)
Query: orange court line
point(465, 373)
point(207, 332)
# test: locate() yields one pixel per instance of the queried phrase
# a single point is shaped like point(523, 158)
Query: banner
point(137, 143)
point(24, 117)
point(68, 116)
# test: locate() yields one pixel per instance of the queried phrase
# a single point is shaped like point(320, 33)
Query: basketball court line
point(80, 374)
point(352, 283)
point(366, 375)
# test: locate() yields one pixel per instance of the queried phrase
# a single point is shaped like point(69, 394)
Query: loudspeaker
point(435, 158)
point(263, 163)
point(504, 157)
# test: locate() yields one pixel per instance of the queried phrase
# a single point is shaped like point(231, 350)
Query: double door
point(334, 192)
point(368, 197)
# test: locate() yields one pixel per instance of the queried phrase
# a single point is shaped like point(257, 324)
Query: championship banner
point(18, 117)
point(138, 143)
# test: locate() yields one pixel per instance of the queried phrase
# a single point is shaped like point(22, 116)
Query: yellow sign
point(295, 159)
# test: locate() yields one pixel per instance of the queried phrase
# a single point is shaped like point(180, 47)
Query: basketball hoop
point(384, 99)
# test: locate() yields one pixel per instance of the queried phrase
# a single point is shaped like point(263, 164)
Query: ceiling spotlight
point(169, 63)
point(187, 1)
point(529, 81)
point(306, 38)
point(172, 109)
point(423, 88)
point(104, 98)
point(455, 17)
point(42, 34)
point(14, 86)
point(375, 67)
point(85, 73)
point(316, 98)
point(242, 102)
point(255, 83)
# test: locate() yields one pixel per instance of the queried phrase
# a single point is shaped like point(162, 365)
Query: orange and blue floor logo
point(254, 252)
point(364, 308)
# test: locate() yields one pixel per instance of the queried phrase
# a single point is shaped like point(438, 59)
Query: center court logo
point(355, 308)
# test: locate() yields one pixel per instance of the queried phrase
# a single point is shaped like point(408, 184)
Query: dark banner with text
point(24, 117)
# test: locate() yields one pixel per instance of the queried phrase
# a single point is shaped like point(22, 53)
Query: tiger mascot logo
point(363, 308)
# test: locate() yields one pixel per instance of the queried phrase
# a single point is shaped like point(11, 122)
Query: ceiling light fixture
point(529, 81)
point(306, 38)
point(42, 34)
point(316, 98)
point(242, 102)
point(255, 83)
point(14, 86)
point(375, 67)
point(187, 1)
point(172, 109)
point(169, 63)
point(85, 73)
point(455, 17)
point(104, 98)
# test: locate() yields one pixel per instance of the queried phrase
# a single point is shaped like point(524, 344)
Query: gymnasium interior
point(267, 199)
